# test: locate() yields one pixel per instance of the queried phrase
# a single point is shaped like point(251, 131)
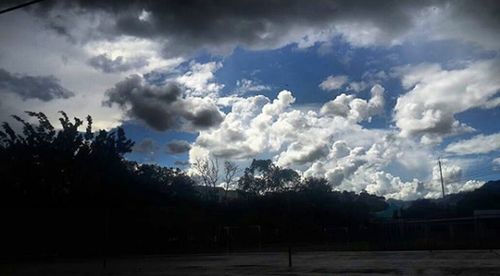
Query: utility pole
point(441, 174)
point(289, 222)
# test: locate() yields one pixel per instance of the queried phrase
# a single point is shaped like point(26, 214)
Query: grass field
point(304, 263)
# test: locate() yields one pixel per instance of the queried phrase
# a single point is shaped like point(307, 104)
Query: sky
point(367, 94)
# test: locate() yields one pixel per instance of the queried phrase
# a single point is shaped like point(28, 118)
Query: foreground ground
point(304, 263)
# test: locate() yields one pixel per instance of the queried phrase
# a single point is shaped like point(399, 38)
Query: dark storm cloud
point(177, 146)
point(119, 64)
point(204, 117)
point(45, 88)
point(163, 108)
point(218, 26)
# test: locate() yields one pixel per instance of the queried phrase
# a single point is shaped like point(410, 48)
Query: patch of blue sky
point(483, 120)
point(138, 132)
point(302, 70)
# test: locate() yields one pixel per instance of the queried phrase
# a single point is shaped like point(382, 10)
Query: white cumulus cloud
point(356, 109)
point(334, 146)
point(333, 82)
point(199, 80)
point(435, 95)
point(476, 145)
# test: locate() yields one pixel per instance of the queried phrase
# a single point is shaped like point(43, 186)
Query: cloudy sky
point(368, 94)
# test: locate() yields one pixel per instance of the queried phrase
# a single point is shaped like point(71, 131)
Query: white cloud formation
point(329, 142)
point(336, 147)
point(299, 154)
point(436, 95)
point(354, 108)
point(357, 86)
point(198, 80)
point(468, 21)
point(139, 54)
point(496, 164)
point(364, 34)
point(368, 79)
point(244, 86)
point(333, 82)
point(452, 178)
point(383, 183)
point(476, 145)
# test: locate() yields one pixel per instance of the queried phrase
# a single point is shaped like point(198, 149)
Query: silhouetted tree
point(49, 166)
point(153, 209)
point(207, 169)
point(316, 185)
point(230, 170)
point(163, 183)
point(263, 177)
point(372, 202)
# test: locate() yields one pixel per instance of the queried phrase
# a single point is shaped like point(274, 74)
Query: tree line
point(47, 167)
point(69, 192)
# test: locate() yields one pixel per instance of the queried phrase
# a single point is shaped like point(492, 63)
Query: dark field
point(304, 263)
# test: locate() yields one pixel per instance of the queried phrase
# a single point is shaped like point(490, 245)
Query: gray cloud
point(479, 144)
point(185, 27)
point(299, 154)
point(177, 146)
point(164, 107)
point(181, 163)
point(146, 146)
point(119, 64)
point(221, 25)
point(45, 88)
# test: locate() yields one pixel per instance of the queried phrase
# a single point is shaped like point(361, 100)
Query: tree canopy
point(83, 178)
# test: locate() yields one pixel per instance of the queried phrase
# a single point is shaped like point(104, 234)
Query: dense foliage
point(45, 167)
point(56, 179)
point(64, 191)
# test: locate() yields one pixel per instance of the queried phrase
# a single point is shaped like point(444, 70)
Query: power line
point(20, 6)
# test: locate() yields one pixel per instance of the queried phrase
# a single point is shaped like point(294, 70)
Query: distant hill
point(487, 197)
